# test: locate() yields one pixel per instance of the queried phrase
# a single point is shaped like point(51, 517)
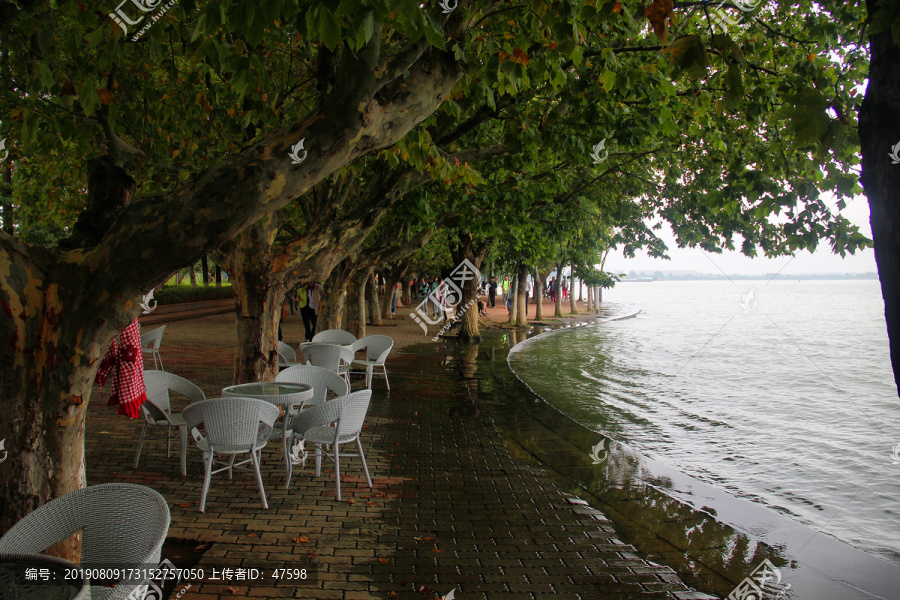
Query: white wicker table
point(289, 396)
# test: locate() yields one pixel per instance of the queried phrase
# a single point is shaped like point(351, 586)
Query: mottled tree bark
point(374, 307)
point(406, 290)
point(467, 249)
point(879, 131)
point(572, 305)
point(522, 313)
point(392, 277)
point(258, 300)
point(333, 303)
point(558, 304)
point(514, 301)
point(356, 304)
point(538, 295)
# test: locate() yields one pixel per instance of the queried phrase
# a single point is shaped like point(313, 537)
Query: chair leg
point(168, 442)
point(259, 482)
point(362, 457)
point(158, 355)
point(337, 469)
point(288, 463)
point(184, 442)
point(369, 373)
point(207, 467)
point(386, 382)
point(140, 445)
point(318, 460)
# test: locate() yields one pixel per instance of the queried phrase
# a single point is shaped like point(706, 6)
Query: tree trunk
point(512, 293)
point(572, 305)
point(61, 313)
point(579, 290)
point(333, 302)
point(193, 275)
point(406, 290)
point(356, 304)
point(331, 313)
point(587, 297)
point(879, 130)
point(204, 265)
point(522, 314)
point(259, 298)
point(391, 278)
point(558, 304)
point(598, 298)
point(374, 307)
point(218, 276)
point(6, 192)
point(538, 296)
point(466, 250)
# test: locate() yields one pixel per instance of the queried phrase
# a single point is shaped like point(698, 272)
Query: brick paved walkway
point(452, 508)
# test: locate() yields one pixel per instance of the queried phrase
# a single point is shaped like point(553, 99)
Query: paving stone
point(451, 506)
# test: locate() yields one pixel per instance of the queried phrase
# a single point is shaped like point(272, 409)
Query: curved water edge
point(714, 538)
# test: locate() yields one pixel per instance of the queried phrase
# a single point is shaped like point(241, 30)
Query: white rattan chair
point(329, 356)
point(122, 525)
point(377, 348)
point(158, 410)
point(231, 426)
point(347, 414)
point(150, 343)
point(334, 336)
point(322, 380)
point(286, 356)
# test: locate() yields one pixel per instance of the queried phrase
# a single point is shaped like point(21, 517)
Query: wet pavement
point(456, 505)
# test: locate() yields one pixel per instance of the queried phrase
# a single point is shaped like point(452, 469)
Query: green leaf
point(368, 27)
point(608, 79)
point(434, 34)
point(689, 54)
point(329, 28)
point(734, 87)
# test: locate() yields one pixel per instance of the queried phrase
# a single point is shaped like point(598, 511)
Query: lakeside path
point(451, 508)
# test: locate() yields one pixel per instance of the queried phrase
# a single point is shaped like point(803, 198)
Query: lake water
point(783, 396)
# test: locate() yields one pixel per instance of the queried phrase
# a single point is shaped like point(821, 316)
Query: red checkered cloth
point(126, 362)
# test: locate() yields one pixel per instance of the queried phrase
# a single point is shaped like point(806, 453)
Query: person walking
point(309, 312)
point(492, 292)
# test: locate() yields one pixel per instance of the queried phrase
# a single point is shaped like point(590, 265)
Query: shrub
point(176, 294)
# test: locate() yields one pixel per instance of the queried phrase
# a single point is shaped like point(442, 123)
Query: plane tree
point(180, 140)
point(224, 112)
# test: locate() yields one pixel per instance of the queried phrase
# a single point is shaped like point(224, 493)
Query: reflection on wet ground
point(641, 497)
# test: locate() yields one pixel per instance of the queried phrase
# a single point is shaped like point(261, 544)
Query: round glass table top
point(263, 389)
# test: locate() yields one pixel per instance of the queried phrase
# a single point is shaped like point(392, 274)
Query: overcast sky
point(694, 259)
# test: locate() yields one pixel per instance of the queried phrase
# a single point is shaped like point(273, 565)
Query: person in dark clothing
point(492, 292)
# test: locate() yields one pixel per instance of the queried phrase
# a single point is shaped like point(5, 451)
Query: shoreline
point(862, 575)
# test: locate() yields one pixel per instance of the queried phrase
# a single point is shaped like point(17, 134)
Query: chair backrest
point(349, 410)
point(158, 384)
point(121, 524)
point(377, 347)
point(231, 421)
point(327, 356)
point(287, 352)
point(334, 336)
point(321, 379)
point(153, 339)
point(353, 412)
